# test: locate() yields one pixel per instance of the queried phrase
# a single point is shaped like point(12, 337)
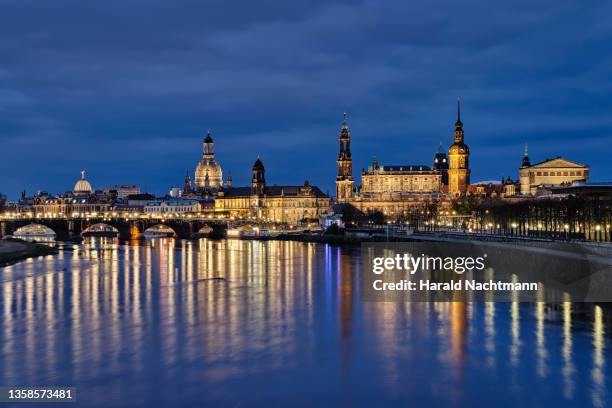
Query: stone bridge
point(71, 228)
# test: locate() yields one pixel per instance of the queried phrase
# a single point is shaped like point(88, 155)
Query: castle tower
point(258, 182)
point(441, 164)
point(524, 173)
point(459, 154)
point(344, 181)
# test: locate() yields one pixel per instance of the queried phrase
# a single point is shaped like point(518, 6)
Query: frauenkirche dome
point(208, 173)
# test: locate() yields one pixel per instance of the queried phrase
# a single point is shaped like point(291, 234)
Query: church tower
point(441, 164)
point(187, 187)
point(459, 154)
point(344, 181)
point(524, 173)
point(258, 182)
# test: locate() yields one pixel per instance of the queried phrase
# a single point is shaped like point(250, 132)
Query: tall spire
point(458, 108)
point(344, 121)
point(526, 162)
point(458, 123)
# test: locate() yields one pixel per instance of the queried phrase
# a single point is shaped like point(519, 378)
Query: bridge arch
point(34, 230)
point(206, 229)
point(160, 230)
point(100, 229)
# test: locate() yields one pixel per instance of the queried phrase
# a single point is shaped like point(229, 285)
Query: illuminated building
point(80, 200)
point(121, 191)
point(549, 173)
point(345, 185)
point(172, 206)
point(392, 190)
point(208, 174)
point(287, 204)
point(459, 166)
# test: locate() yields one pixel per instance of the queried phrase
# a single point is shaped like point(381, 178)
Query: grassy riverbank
point(14, 250)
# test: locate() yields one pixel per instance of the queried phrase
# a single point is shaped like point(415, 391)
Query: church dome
point(208, 174)
point(82, 186)
point(208, 168)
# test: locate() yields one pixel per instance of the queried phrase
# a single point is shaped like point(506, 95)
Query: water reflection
point(241, 322)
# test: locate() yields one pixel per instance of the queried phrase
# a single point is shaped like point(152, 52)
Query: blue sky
point(127, 90)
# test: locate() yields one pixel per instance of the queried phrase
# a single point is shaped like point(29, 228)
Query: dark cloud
point(126, 90)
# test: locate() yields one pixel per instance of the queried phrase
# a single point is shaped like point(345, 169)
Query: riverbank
point(15, 250)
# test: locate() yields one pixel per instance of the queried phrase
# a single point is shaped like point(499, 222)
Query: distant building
point(175, 192)
point(286, 204)
point(172, 206)
point(81, 200)
point(378, 181)
point(493, 189)
point(122, 191)
point(549, 173)
point(394, 190)
point(139, 200)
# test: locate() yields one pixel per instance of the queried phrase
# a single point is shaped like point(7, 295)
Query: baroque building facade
point(394, 190)
point(288, 204)
point(82, 200)
point(549, 173)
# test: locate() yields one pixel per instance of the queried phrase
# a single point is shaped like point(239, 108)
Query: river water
point(244, 323)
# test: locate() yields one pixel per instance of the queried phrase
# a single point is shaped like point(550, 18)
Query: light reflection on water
point(246, 322)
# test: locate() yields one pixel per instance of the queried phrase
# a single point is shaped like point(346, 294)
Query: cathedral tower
point(258, 182)
point(344, 181)
point(459, 154)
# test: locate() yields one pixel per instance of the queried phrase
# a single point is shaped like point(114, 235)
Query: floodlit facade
point(285, 204)
point(549, 173)
point(172, 206)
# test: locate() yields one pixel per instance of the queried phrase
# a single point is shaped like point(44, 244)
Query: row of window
point(560, 173)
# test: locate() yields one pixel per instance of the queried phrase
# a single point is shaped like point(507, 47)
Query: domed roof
point(82, 186)
point(459, 148)
point(208, 168)
point(258, 165)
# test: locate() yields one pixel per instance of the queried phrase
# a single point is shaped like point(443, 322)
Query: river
point(168, 322)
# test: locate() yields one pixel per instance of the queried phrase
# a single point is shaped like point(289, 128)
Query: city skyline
point(244, 179)
point(131, 105)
